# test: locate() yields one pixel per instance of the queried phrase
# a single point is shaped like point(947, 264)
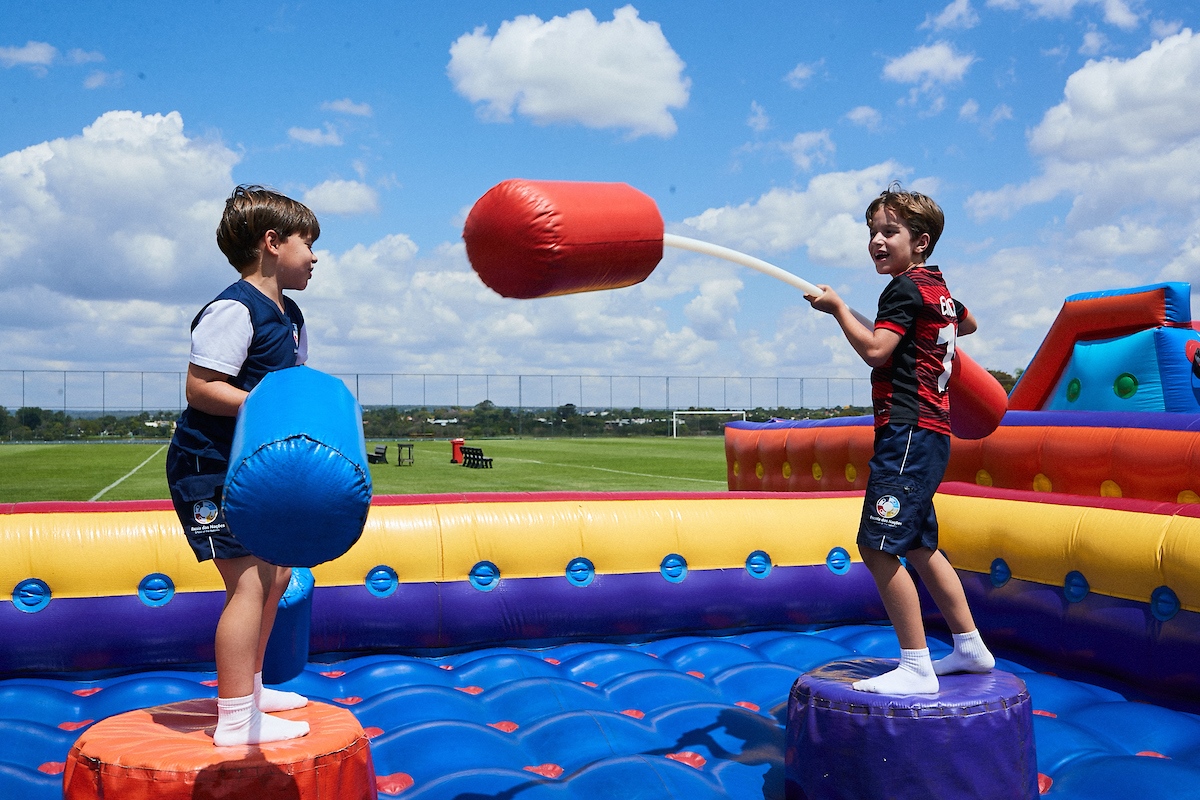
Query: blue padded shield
point(298, 489)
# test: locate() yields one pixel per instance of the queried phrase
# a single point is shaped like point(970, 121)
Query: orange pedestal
point(166, 753)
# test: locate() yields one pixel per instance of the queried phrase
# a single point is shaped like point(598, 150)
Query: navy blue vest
point(274, 347)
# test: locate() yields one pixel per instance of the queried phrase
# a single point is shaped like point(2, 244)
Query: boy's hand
point(828, 301)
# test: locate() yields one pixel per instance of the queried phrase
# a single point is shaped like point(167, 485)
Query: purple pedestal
point(973, 740)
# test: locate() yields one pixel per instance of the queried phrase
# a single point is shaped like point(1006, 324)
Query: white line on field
point(117, 482)
point(617, 471)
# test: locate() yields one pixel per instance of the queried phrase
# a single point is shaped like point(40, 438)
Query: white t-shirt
point(221, 339)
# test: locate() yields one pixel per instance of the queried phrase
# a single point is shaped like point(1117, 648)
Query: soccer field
point(111, 471)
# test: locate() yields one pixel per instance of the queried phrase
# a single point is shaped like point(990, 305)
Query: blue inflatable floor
point(689, 718)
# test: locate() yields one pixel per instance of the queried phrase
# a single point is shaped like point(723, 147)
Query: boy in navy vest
point(910, 348)
point(250, 329)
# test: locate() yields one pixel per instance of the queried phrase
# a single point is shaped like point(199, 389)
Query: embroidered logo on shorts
point(204, 512)
point(887, 506)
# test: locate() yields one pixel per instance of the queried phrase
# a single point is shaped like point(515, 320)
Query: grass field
point(110, 471)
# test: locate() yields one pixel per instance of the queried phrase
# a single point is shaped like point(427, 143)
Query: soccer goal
point(676, 422)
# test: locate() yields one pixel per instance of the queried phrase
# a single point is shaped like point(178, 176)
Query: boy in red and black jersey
point(911, 348)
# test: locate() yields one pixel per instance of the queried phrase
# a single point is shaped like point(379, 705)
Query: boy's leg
point(239, 721)
point(899, 594)
point(272, 699)
point(970, 653)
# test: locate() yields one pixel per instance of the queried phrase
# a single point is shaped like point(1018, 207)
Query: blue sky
point(1060, 136)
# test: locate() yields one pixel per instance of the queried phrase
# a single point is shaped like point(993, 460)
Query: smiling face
point(892, 246)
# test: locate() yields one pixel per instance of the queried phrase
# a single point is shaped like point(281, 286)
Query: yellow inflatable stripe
point(99, 554)
point(108, 554)
point(524, 540)
point(1121, 553)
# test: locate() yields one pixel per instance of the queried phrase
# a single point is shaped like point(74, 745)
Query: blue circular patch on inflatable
point(758, 564)
point(673, 568)
point(484, 576)
point(1000, 573)
point(580, 572)
point(156, 590)
point(1075, 586)
point(838, 561)
point(31, 594)
point(1164, 603)
point(382, 581)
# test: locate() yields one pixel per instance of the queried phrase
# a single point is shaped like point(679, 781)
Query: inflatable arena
point(551, 645)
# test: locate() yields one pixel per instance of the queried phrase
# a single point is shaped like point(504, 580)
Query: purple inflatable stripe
point(96, 633)
point(1099, 634)
point(456, 615)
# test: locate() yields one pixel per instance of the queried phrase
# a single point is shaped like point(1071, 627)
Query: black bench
point(474, 458)
point(379, 456)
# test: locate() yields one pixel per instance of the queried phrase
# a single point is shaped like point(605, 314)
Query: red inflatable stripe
point(530, 239)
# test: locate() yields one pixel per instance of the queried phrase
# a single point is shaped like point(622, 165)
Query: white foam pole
point(717, 251)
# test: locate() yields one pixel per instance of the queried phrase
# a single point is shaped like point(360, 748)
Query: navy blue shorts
point(906, 470)
point(196, 486)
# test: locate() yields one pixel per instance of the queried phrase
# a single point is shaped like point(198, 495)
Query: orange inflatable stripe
point(1139, 463)
point(166, 753)
point(1093, 318)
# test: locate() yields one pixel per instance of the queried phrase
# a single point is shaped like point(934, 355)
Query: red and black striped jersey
point(911, 386)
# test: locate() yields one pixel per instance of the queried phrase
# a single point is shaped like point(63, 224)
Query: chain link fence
point(117, 392)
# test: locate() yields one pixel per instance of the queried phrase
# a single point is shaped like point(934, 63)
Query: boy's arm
point(874, 345)
point(967, 324)
point(211, 392)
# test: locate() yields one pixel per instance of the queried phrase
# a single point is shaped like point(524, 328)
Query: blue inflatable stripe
point(1176, 298)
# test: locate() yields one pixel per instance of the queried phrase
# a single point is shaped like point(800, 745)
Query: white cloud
point(825, 218)
point(104, 191)
point(1161, 29)
point(799, 77)
point(1094, 43)
point(317, 137)
point(1115, 12)
point(1125, 135)
point(37, 55)
point(1130, 238)
point(107, 246)
point(620, 74)
point(1185, 265)
point(77, 56)
point(866, 117)
point(969, 111)
point(929, 65)
point(758, 120)
point(348, 106)
point(99, 78)
point(809, 148)
point(342, 197)
point(958, 15)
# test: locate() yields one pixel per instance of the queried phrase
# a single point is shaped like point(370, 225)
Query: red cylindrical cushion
point(542, 238)
point(166, 753)
point(977, 400)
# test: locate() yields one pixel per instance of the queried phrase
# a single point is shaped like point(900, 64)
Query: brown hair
point(253, 210)
point(919, 212)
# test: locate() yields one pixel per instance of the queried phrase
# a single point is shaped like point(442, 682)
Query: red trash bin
point(456, 450)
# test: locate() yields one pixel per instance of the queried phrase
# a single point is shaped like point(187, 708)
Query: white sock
point(970, 655)
point(914, 676)
point(275, 700)
point(239, 722)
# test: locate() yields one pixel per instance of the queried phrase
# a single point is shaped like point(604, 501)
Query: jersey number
point(946, 336)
